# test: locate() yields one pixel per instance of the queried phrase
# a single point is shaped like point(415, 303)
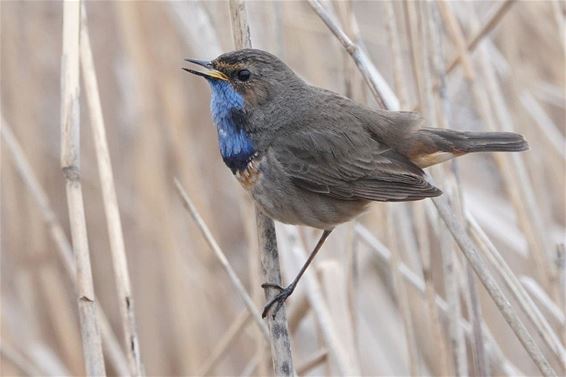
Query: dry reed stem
point(548, 129)
point(412, 37)
point(550, 93)
point(526, 205)
point(111, 209)
point(428, 51)
point(512, 186)
point(511, 317)
point(344, 12)
point(251, 367)
point(542, 326)
point(298, 311)
point(419, 219)
point(278, 327)
point(13, 356)
point(70, 165)
point(450, 271)
point(469, 292)
point(30, 181)
point(559, 12)
point(312, 362)
point(195, 25)
point(241, 36)
point(432, 103)
point(487, 26)
point(475, 313)
point(334, 284)
point(400, 293)
point(352, 287)
point(393, 34)
point(437, 326)
point(247, 210)
point(337, 352)
point(435, 109)
point(234, 279)
point(457, 37)
point(235, 329)
point(240, 26)
point(384, 255)
point(36, 351)
point(377, 84)
point(512, 183)
point(539, 294)
point(352, 88)
point(111, 346)
point(64, 249)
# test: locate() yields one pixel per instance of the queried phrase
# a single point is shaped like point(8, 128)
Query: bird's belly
point(281, 200)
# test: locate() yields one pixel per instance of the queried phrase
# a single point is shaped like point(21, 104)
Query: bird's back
point(328, 162)
point(310, 156)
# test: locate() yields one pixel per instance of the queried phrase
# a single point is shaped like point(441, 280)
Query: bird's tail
point(445, 144)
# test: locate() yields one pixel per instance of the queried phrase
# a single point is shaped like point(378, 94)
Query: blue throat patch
point(236, 146)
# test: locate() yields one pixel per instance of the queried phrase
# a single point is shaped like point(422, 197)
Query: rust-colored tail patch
point(430, 146)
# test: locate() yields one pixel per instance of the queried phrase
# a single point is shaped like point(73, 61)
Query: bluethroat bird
point(309, 156)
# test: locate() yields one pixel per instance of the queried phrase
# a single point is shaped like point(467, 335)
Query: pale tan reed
point(65, 253)
point(504, 67)
point(279, 331)
point(238, 286)
point(114, 224)
point(70, 165)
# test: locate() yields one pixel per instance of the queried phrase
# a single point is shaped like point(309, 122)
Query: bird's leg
point(280, 298)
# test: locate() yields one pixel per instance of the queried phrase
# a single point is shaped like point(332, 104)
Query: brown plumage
point(309, 156)
point(318, 158)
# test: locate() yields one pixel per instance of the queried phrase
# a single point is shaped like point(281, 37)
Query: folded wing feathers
point(380, 175)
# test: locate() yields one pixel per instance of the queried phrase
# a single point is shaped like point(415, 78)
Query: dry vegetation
point(391, 294)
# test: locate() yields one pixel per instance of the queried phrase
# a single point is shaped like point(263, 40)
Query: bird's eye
point(244, 75)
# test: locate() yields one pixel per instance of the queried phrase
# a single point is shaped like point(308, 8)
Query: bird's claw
point(279, 299)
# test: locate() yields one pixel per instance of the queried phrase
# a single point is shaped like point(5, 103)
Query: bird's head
point(252, 76)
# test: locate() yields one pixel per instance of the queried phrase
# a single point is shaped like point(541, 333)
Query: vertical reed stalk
point(490, 23)
point(402, 299)
point(532, 312)
point(110, 200)
point(70, 164)
point(188, 204)
point(376, 83)
point(278, 327)
point(490, 284)
point(64, 249)
point(384, 254)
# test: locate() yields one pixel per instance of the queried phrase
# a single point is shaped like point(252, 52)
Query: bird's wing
point(348, 164)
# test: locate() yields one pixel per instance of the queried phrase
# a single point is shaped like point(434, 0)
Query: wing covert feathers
point(350, 167)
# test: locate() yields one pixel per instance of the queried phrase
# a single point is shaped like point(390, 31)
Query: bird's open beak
point(210, 74)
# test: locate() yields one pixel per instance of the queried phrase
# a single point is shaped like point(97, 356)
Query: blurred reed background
point(390, 294)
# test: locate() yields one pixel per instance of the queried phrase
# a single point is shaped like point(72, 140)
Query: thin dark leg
point(287, 291)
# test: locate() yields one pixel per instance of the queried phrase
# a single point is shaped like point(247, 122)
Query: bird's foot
point(279, 299)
